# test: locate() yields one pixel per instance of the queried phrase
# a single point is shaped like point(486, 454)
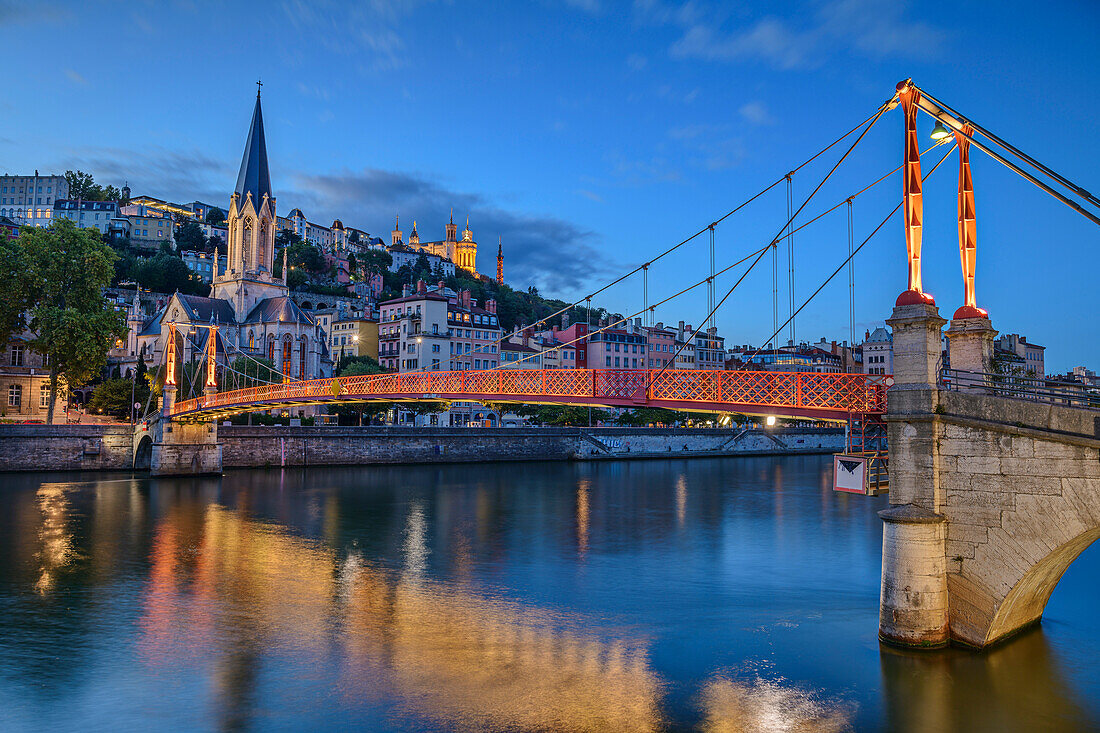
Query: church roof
point(282, 309)
point(254, 177)
point(205, 310)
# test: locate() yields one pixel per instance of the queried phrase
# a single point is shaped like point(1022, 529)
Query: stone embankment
point(87, 447)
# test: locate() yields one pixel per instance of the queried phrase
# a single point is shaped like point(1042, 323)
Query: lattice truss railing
point(688, 387)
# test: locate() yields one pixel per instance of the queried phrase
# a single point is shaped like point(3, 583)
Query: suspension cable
point(1080, 191)
point(724, 270)
point(779, 234)
point(885, 106)
point(857, 249)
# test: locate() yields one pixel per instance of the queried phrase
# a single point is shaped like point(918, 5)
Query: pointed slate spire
point(254, 177)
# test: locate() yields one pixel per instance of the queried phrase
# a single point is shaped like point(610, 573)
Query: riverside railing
point(1032, 389)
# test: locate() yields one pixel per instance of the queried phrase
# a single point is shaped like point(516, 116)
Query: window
point(17, 354)
point(15, 395)
point(44, 396)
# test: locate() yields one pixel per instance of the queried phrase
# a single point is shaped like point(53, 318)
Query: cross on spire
point(258, 85)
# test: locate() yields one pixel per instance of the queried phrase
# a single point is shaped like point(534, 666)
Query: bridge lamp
point(939, 132)
point(770, 421)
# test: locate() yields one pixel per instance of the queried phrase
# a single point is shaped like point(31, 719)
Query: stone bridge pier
point(991, 497)
point(169, 447)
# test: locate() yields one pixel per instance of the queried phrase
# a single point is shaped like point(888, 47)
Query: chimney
point(405, 290)
point(491, 306)
point(464, 298)
point(867, 335)
point(682, 326)
point(442, 287)
point(421, 287)
point(565, 320)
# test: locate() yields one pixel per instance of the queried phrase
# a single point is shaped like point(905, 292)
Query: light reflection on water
point(722, 595)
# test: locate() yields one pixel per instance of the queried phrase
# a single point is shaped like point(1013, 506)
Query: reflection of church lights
point(681, 498)
point(582, 516)
point(57, 543)
point(415, 547)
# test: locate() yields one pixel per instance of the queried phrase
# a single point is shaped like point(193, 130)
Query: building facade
point(28, 200)
point(878, 352)
point(86, 214)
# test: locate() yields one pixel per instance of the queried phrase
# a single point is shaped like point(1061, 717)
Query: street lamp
point(939, 132)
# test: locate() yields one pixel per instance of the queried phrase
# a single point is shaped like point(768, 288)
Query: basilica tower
point(250, 257)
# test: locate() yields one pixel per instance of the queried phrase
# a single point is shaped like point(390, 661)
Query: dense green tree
point(117, 396)
point(248, 372)
point(189, 236)
point(166, 273)
point(80, 184)
point(376, 261)
point(15, 296)
point(286, 237)
point(215, 216)
point(561, 415)
point(66, 269)
point(83, 186)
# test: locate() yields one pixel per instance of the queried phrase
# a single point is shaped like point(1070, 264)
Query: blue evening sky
point(590, 134)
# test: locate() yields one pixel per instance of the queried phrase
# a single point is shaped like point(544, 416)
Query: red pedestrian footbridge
point(788, 394)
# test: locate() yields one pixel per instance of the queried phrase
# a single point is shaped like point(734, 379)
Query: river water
point(715, 594)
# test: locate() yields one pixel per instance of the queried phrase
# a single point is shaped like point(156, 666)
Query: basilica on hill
point(252, 307)
point(462, 252)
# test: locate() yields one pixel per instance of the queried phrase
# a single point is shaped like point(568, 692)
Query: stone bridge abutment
point(992, 498)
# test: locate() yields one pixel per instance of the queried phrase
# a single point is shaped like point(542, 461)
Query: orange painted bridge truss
point(791, 394)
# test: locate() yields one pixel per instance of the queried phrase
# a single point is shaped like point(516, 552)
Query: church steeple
point(254, 177)
point(500, 262)
point(452, 230)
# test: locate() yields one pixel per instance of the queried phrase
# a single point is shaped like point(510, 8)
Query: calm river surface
point(715, 594)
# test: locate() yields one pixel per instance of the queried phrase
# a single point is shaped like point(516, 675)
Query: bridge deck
point(794, 394)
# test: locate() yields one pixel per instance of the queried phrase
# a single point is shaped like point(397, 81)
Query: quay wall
point(110, 447)
point(65, 447)
point(297, 446)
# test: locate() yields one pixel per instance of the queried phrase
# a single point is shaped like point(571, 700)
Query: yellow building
point(353, 337)
point(462, 252)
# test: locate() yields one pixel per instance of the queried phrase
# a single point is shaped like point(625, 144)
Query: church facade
point(462, 252)
point(252, 308)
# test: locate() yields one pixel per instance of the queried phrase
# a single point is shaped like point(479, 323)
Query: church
point(252, 307)
point(462, 252)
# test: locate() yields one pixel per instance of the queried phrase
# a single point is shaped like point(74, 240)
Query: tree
point(67, 268)
point(249, 372)
point(215, 216)
point(83, 186)
point(561, 415)
point(166, 273)
point(376, 261)
point(189, 236)
point(117, 396)
point(14, 290)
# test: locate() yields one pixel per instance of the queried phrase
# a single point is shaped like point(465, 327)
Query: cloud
point(756, 113)
point(871, 28)
point(590, 195)
point(368, 29)
point(165, 173)
point(16, 13)
point(636, 61)
point(553, 254)
point(75, 77)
